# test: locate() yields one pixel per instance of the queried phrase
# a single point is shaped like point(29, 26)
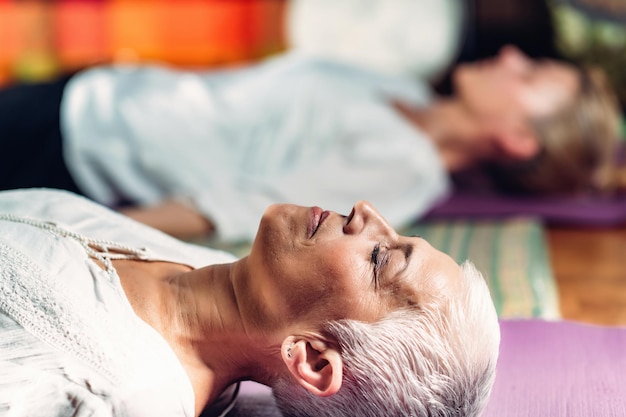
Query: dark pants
point(31, 146)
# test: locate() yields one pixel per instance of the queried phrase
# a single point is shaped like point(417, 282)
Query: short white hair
point(438, 359)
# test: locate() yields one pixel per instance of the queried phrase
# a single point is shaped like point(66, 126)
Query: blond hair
point(579, 145)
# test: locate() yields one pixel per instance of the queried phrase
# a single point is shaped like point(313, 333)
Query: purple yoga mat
point(546, 369)
point(560, 369)
point(584, 211)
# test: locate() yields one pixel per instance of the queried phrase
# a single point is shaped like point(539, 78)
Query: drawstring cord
point(99, 249)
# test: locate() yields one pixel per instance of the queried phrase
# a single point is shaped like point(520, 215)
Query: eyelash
point(378, 261)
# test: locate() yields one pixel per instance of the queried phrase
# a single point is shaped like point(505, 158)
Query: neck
point(452, 128)
point(199, 315)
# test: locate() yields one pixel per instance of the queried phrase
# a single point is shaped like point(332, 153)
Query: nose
point(366, 219)
point(514, 59)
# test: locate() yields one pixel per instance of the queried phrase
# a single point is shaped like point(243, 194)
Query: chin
point(460, 76)
point(277, 225)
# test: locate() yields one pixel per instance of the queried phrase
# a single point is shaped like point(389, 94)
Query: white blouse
point(70, 343)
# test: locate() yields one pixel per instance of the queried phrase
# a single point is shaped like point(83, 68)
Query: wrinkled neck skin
point(459, 136)
point(208, 324)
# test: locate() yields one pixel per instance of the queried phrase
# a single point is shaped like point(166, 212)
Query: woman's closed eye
point(380, 258)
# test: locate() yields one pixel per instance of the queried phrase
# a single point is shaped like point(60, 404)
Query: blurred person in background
point(198, 153)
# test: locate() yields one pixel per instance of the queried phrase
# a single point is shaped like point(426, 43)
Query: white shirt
point(70, 343)
point(291, 130)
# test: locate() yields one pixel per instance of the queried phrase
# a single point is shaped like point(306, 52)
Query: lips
point(317, 218)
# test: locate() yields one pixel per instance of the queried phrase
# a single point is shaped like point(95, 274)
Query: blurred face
point(513, 85)
point(312, 266)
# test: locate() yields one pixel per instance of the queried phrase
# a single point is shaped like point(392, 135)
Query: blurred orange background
point(41, 39)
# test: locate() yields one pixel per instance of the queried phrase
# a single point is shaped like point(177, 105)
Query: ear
point(516, 141)
point(315, 364)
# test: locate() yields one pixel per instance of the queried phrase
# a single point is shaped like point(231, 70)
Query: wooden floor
point(589, 265)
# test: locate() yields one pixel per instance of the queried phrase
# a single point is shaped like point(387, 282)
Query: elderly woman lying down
point(101, 315)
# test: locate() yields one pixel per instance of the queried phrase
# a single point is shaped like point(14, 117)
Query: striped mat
point(512, 254)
